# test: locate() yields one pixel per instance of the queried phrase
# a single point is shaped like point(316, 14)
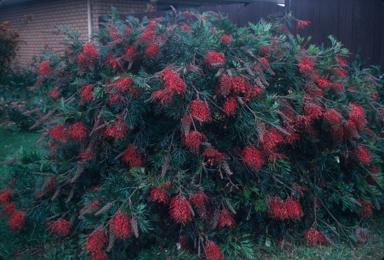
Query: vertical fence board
point(354, 45)
point(382, 37)
point(378, 22)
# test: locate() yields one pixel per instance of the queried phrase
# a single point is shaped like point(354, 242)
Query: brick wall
point(46, 14)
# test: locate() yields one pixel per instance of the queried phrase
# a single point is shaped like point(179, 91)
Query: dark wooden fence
point(356, 23)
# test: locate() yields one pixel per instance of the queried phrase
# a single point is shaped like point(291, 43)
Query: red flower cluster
point(130, 54)
point(214, 156)
point(78, 132)
point(54, 93)
point(172, 84)
point(186, 28)
point(215, 59)
point(45, 69)
point(193, 141)
point(338, 87)
point(152, 50)
point(302, 24)
point(341, 73)
point(61, 227)
point(87, 95)
point(266, 51)
point(334, 119)
point(17, 220)
point(200, 110)
point(253, 157)
point(125, 86)
point(283, 28)
point(213, 251)
point(147, 37)
point(314, 238)
point(363, 155)
point(322, 82)
point(87, 155)
point(356, 118)
point(118, 130)
point(271, 140)
point(367, 208)
point(199, 200)
point(96, 244)
point(307, 67)
point(289, 209)
point(88, 58)
point(159, 195)
point(226, 39)
point(238, 86)
point(113, 63)
point(8, 209)
point(5, 197)
point(121, 226)
point(179, 210)
point(58, 133)
point(132, 157)
point(230, 106)
point(226, 219)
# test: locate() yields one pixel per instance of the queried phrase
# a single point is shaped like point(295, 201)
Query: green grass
point(11, 142)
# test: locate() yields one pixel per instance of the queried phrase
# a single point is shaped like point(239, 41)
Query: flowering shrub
point(206, 136)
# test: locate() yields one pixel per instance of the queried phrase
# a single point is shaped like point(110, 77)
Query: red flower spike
point(61, 227)
point(367, 208)
point(213, 251)
point(179, 210)
point(238, 86)
point(17, 220)
point(96, 244)
point(226, 219)
point(214, 156)
point(302, 24)
point(159, 195)
point(132, 157)
point(113, 63)
point(87, 156)
point(357, 117)
point(215, 59)
point(152, 51)
point(118, 130)
point(121, 226)
point(193, 141)
point(78, 132)
point(200, 110)
point(58, 133)
point(253, 157)
point(147, 37)
point(314, 238)
point(226, 39)
point(199, 200)
point(323, 83)
point(271, 140)
point(307, 67)
point(126, 86)
point(130, 54)
point(45, 69)
point(8, 209)
point(230, 106)
point(341, 73)
point(363, 155)
point(54, 93)
point(289, 209)
point(5, 197)
point(186, 28)
point(87, 95)
point(88, 58)
point(283, 28)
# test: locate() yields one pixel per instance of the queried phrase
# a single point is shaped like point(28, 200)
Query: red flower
point(118, 130)
point(253, 157)
point(357, 117)
point(341, 73)
point(17, 220)
point(96, 243)
point(271, 140)
point(226, 39)
point(125, 86)
point(186, 28)
point(78, 132)
point(284, 28)
point(314, 237)
point(5, 197)
point(363, 155)
point(338, 87)
point(152, 51)
point(230, 106)
point(8, 209)
point(302, 24)
point(159, 195)
point(58, 133)
point(213, 251)
point(333, 117)
point(87, 155)
point(214, 156)
point(179, 210)
point(147, 37)
point(199, 200)
point(367, 208)
point(193, 141)
point(289, 209)
point(323, 83)
point(307, 66)
point(341, 61)
point(172, 84)
point(113, 63)
point(61, 227)
point(121, 226)
point(87, 95)
point(88, 58)
point(238, 86)
point(45, 69)
point(132, 157)
point(226, 219)
point(215, 59)
point(54, 93)
point(130, 54)
point(266, 51)
point(200, 110)
point(117, 99)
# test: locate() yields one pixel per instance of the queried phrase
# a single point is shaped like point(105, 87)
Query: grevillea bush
point(187, 137)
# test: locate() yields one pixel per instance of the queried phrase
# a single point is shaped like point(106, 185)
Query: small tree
point(188, 137)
